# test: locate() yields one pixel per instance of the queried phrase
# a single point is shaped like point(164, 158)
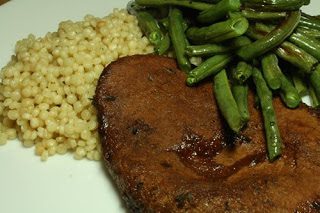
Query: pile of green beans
point(269, 46)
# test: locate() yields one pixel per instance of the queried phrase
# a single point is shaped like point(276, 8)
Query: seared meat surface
point(169, 150)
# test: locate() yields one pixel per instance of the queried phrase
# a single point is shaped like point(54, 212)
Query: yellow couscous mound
point(46, 88)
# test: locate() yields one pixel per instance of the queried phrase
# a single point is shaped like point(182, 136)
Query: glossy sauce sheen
point(168, 149)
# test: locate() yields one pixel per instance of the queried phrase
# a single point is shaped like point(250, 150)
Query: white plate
point(61, 184)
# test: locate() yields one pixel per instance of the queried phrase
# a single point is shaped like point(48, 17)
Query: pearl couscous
point(47, 87)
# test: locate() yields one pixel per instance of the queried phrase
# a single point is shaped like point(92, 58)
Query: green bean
point(270, 122)
point(218, 11)
point(240, 94)
point(226, 101)
point(242, 72)
point(310, 45)
point(218, 32)
point(289, 93)
point(271, 70)
point(315, 81)
point(264, 28)
point(275, 5)
point(296, 56)
point(309, 16)
point(238, 42)
point(133, 8)
point(300, 84)
point(149, 26)
point(235, 14)
point(162, 11)
point(287, 51)
point(254, 33)
point(183, 3)
point(315, 34)
point(271, 40)
point(210, 1)
point(313, 97)
point(165, 23)
point(206, 50)
point(309, 22)
point(163, 46)
point(262, 15)
point(178, 38)
point(213, 49)
point(209, 67)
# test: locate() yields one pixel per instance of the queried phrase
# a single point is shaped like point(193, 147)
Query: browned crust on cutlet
point(168, 150)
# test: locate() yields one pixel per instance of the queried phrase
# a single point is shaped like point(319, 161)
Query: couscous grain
point(46, 88)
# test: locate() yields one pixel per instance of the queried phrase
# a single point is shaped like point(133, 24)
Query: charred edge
point(227, 206)
point(309, 206)
point(315, 205)
point(108, 156)
point(132, 205)
point(292, 150)
point(110, 98)
point(169, 70)
point(139, 185)
point(93, 101)
point(166, 165)
point(242, 139)
point(134, 130)
point(182, 199)
point(314, 111)
point(150, 77)
point(191, 142)
point(229, 136)
point(139, 126)
point(205, 151)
